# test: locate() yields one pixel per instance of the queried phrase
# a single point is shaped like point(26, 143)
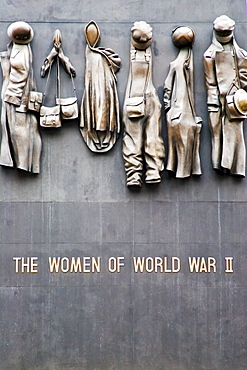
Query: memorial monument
point(94, 275)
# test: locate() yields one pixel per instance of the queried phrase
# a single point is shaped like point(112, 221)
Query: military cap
point(224, 24)
point(224, 27)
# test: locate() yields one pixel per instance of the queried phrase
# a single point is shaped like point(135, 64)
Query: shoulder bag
point(50, 116)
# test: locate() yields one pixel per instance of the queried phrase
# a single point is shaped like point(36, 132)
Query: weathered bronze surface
point(100, 120)
point(142, 141)
point(55, 52)
point(80, 209)
point(65, 108)
point(21, 141)
point(225, 66)
point(182, 124)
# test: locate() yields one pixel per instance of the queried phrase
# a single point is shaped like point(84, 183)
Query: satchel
point(69, 107)
point(135, 107)
point(65, 108)
point(34, 101)
point(50, 117)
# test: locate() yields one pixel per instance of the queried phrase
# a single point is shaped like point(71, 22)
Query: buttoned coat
point(223, 68)
point(21, 141)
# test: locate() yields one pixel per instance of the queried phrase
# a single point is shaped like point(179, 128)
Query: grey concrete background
point(79, 206)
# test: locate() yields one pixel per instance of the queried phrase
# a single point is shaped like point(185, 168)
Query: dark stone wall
point(79, 206)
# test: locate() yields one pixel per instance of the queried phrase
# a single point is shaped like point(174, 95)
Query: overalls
point(142, 141)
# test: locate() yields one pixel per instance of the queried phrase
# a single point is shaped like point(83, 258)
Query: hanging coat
point(100, 120)
point(182, 124)
point(21, 141)
point(222, 68)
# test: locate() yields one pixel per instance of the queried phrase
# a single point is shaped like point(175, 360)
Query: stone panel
point(79, 206)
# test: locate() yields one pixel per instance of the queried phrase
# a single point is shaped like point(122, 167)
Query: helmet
point(240, 101)
point(183, 36)
point(236, 105)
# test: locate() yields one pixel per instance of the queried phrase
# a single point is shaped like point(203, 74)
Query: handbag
point(50, 116)
point(68, 106)
point(34, 101)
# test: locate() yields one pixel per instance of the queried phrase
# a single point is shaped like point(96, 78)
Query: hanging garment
point(100, 119)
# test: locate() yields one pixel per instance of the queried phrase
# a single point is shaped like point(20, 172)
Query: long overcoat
point(224, 67)
point(182, 124)
point(21, 141)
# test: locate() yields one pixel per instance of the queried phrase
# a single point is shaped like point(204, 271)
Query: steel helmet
point(183, 36)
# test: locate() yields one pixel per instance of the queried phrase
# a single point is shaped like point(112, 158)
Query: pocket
point(35, 100)
point(198, 120)
point(135, 107)
point(175, 115)
point(213, 108)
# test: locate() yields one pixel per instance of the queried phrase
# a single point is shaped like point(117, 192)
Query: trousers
point(143, 144)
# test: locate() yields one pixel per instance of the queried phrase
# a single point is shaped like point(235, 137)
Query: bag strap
point(73, 84)
point(58, 79)
point(46, 84)
point(147, 59)
point(48, 78)
point(58, 84)
point(188, 69)
point(236, 82)
point(236, 68)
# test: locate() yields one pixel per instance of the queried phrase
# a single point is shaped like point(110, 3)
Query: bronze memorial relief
point(142, 141)
point(21, 141)
point(65, 108)
point(182, 123)
point(225, 66)
point(100, 119)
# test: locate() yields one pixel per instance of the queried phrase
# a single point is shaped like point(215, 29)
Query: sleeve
point(168, 88)
point(19, 62)
point(211, 81)
point(242, 68)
